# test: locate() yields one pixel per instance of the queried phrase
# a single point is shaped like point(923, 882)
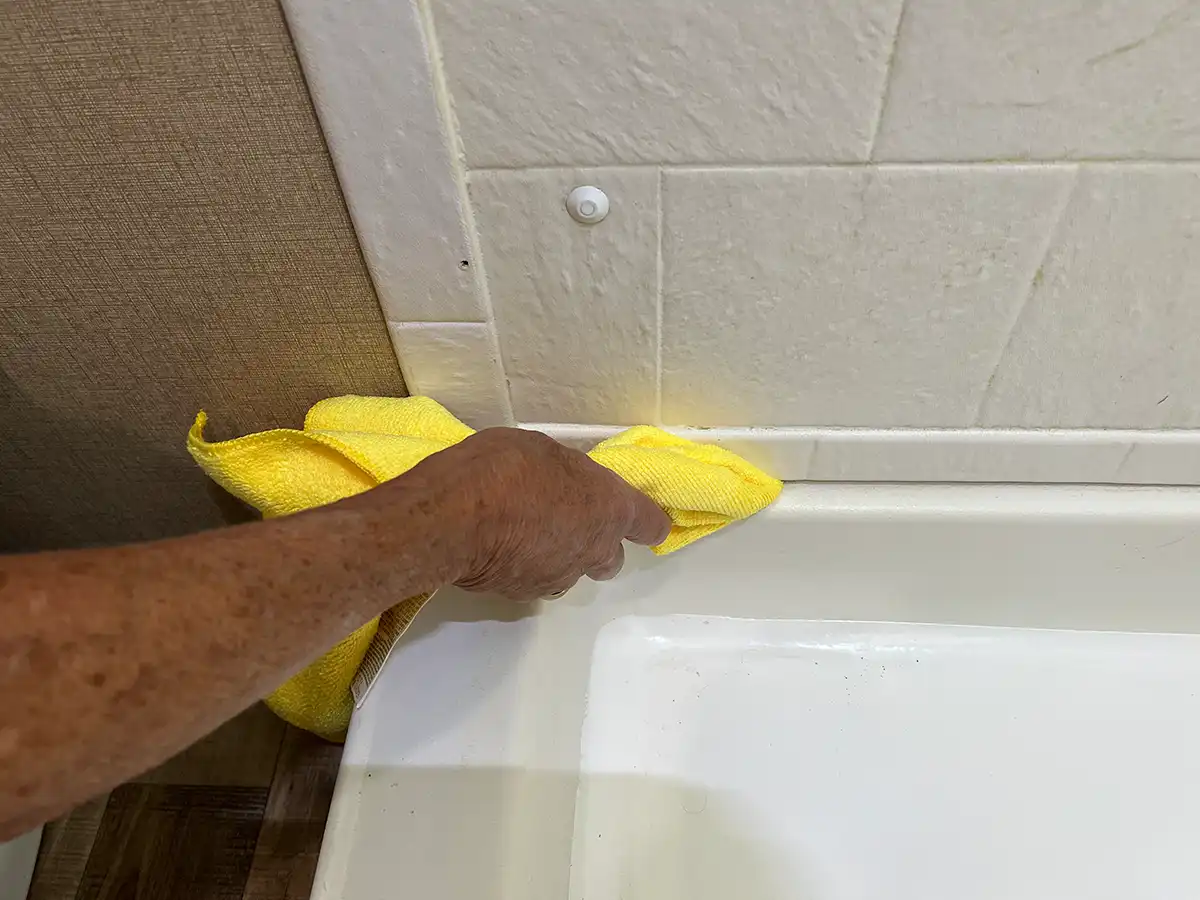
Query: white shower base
point(868, 692)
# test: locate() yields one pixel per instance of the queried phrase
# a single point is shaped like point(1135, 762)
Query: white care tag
point(392, 625)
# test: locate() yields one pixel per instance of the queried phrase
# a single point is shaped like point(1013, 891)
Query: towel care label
point(392, 625)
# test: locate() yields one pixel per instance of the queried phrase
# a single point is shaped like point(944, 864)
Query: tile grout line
point(1052, 235)
point(658, 308)
point(449, 120)
point(885, 92)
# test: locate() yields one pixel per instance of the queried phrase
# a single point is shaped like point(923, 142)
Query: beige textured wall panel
point(173, 237)
point(1044, 79)
point(561, 82)
point(1107, 336)
point(575, 305)
point(845, 296)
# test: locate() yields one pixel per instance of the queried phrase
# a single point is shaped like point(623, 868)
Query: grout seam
point(658, 308)
point(449, 120)
point(1052, 235)
point(885, 93)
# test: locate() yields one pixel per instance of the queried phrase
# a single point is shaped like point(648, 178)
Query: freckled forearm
point(111, 660)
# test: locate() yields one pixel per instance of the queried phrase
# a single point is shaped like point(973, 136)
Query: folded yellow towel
point(351, 444)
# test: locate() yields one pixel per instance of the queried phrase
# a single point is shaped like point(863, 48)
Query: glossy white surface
point(767, 760)
point(714, 763)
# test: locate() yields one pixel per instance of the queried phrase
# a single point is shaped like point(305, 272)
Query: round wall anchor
point(587, 204)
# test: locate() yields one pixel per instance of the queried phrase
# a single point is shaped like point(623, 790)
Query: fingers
point(609, 568)
point(548, 515)
point(650, 525)
point(556, 590)
point(524, 593)
point(604, 571)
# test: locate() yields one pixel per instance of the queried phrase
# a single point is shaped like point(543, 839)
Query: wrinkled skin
point(547, 514)
point(113, 659)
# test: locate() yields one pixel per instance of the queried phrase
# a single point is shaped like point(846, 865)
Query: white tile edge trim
point(369, 72)
point(973, 502)
point(457, 155)
point(972, 455)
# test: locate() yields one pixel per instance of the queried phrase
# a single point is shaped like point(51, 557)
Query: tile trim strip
point(971, 455)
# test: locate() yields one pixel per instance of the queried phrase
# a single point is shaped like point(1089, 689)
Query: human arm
point(113, 659)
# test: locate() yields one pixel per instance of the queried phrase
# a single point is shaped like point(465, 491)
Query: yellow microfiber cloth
point(351, 444)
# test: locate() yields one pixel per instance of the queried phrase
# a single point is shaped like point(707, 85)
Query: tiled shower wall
point(926, 227)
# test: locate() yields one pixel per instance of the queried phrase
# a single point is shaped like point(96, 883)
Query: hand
point(544, 514)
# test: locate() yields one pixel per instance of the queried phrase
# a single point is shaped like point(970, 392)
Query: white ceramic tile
point(845, 296)
point(1044, 79)
point(454, 363)
point(1109, 336)
point(575, 305)
point(367, 70)
point(541, 82)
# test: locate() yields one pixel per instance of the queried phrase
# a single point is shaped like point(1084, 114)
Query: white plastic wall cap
point(587, 204)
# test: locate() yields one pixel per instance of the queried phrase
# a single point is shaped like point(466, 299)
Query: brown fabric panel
point(172, 237)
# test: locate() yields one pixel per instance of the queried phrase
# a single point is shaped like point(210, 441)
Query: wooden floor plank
point(285, 860)
point(241, 753)
point(168, 842)
point(66, 844)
